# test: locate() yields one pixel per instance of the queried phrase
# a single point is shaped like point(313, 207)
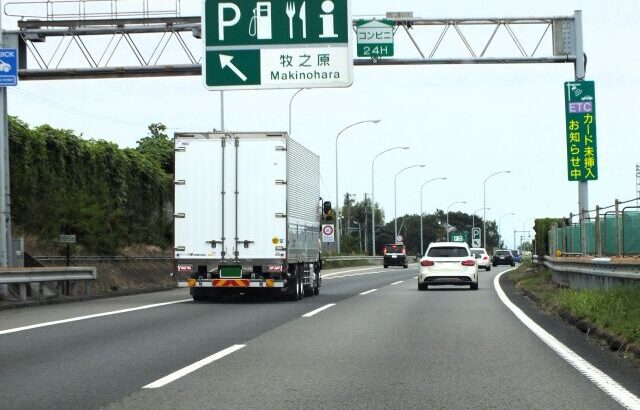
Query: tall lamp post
point(525, 222)
point(337, 194)
point(421, 225)
point(484, 205)
point(290, 103)
point(373, 201)
point(500, 225)
point(448, 208)
point(395, 195)
point(473, 216)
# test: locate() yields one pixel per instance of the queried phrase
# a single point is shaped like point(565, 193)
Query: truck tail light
point(469, 262)
point(427, 262)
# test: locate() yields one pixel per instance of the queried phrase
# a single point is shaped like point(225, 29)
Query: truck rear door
point(256, 197)
point(198, 199)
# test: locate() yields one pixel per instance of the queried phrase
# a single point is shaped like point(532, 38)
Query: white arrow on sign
point(225, 61)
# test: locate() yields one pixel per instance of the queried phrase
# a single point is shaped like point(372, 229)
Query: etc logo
point(262, 19)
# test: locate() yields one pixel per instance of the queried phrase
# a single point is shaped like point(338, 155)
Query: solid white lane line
point(397, 283)
point(354, 275)
point(369, 291)
point(347, 271)
point(315, 312)
point(192, 368)
point(415, 277)
point(76, 319)
point(600, 379)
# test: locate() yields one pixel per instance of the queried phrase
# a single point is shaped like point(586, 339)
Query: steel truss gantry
point(150, 41)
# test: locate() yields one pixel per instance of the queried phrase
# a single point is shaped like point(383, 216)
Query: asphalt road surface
point(371, 340)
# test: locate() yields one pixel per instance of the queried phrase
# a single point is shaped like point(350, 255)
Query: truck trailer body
point(247, 214)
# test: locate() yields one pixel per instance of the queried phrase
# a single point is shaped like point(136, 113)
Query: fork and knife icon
point(302, 15)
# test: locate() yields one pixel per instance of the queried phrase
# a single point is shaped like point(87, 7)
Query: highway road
point(371, 340)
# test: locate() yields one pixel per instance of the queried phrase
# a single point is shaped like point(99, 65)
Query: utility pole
point(638, 184)
point(5, 184)
point(366, 222)
point(348, 213)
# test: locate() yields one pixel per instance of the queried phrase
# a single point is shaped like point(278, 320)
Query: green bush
point(542, 227)
point(108, 197)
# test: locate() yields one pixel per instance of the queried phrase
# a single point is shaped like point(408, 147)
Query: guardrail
point(590, 273)
point(66, 280)
point(352, 258)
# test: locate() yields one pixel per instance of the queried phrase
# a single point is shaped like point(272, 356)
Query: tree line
point(357, 221)
point(112, 198)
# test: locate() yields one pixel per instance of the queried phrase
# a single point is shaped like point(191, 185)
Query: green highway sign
point(582, 148)
point(251, 44)
point(375, 38)
point(459, 237)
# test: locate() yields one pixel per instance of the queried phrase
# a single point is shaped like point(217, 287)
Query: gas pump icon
point(260, 25)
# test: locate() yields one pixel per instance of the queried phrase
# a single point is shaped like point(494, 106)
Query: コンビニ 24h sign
point(253, 44)
point(582, 148)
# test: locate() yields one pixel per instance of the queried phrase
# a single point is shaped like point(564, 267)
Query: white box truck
point(247, 215)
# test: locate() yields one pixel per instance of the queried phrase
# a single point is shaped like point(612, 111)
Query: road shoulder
point(614, 364)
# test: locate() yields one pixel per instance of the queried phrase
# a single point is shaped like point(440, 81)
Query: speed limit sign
point(328, 233)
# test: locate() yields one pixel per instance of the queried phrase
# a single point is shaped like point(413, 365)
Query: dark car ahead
point(503, 257)
point(395, 254)
point(516, 256)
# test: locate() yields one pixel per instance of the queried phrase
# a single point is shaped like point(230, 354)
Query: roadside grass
point(615, 311)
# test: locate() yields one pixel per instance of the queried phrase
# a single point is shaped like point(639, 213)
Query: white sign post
point(328, 234)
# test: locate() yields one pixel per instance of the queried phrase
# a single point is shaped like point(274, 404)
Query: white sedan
point(484, 261)
point(448, 263)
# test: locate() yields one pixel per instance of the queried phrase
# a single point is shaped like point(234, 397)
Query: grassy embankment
point(612, 315)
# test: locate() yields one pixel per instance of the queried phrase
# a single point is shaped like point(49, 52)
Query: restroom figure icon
point(328, 23)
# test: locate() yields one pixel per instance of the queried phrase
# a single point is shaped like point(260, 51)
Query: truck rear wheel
point(294, 286)
point(300, 282)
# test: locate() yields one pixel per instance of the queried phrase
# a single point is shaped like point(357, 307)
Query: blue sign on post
point(8, 67)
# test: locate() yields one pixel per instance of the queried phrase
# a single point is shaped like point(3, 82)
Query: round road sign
point(328, 230)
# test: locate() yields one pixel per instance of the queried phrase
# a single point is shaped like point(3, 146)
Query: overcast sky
point(464, 122)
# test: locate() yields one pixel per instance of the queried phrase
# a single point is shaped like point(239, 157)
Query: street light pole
point(290, 103)
point(500, 225)
point(473, 217)
point(484, 205)
point(525, 222)
point(373, 201)
point(421, 212)
point(395, 195)
point(337, 207)
point(449, 207)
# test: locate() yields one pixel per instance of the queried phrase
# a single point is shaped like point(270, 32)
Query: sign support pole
point(5, 193)
point(583, 187)
point(222, 111)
